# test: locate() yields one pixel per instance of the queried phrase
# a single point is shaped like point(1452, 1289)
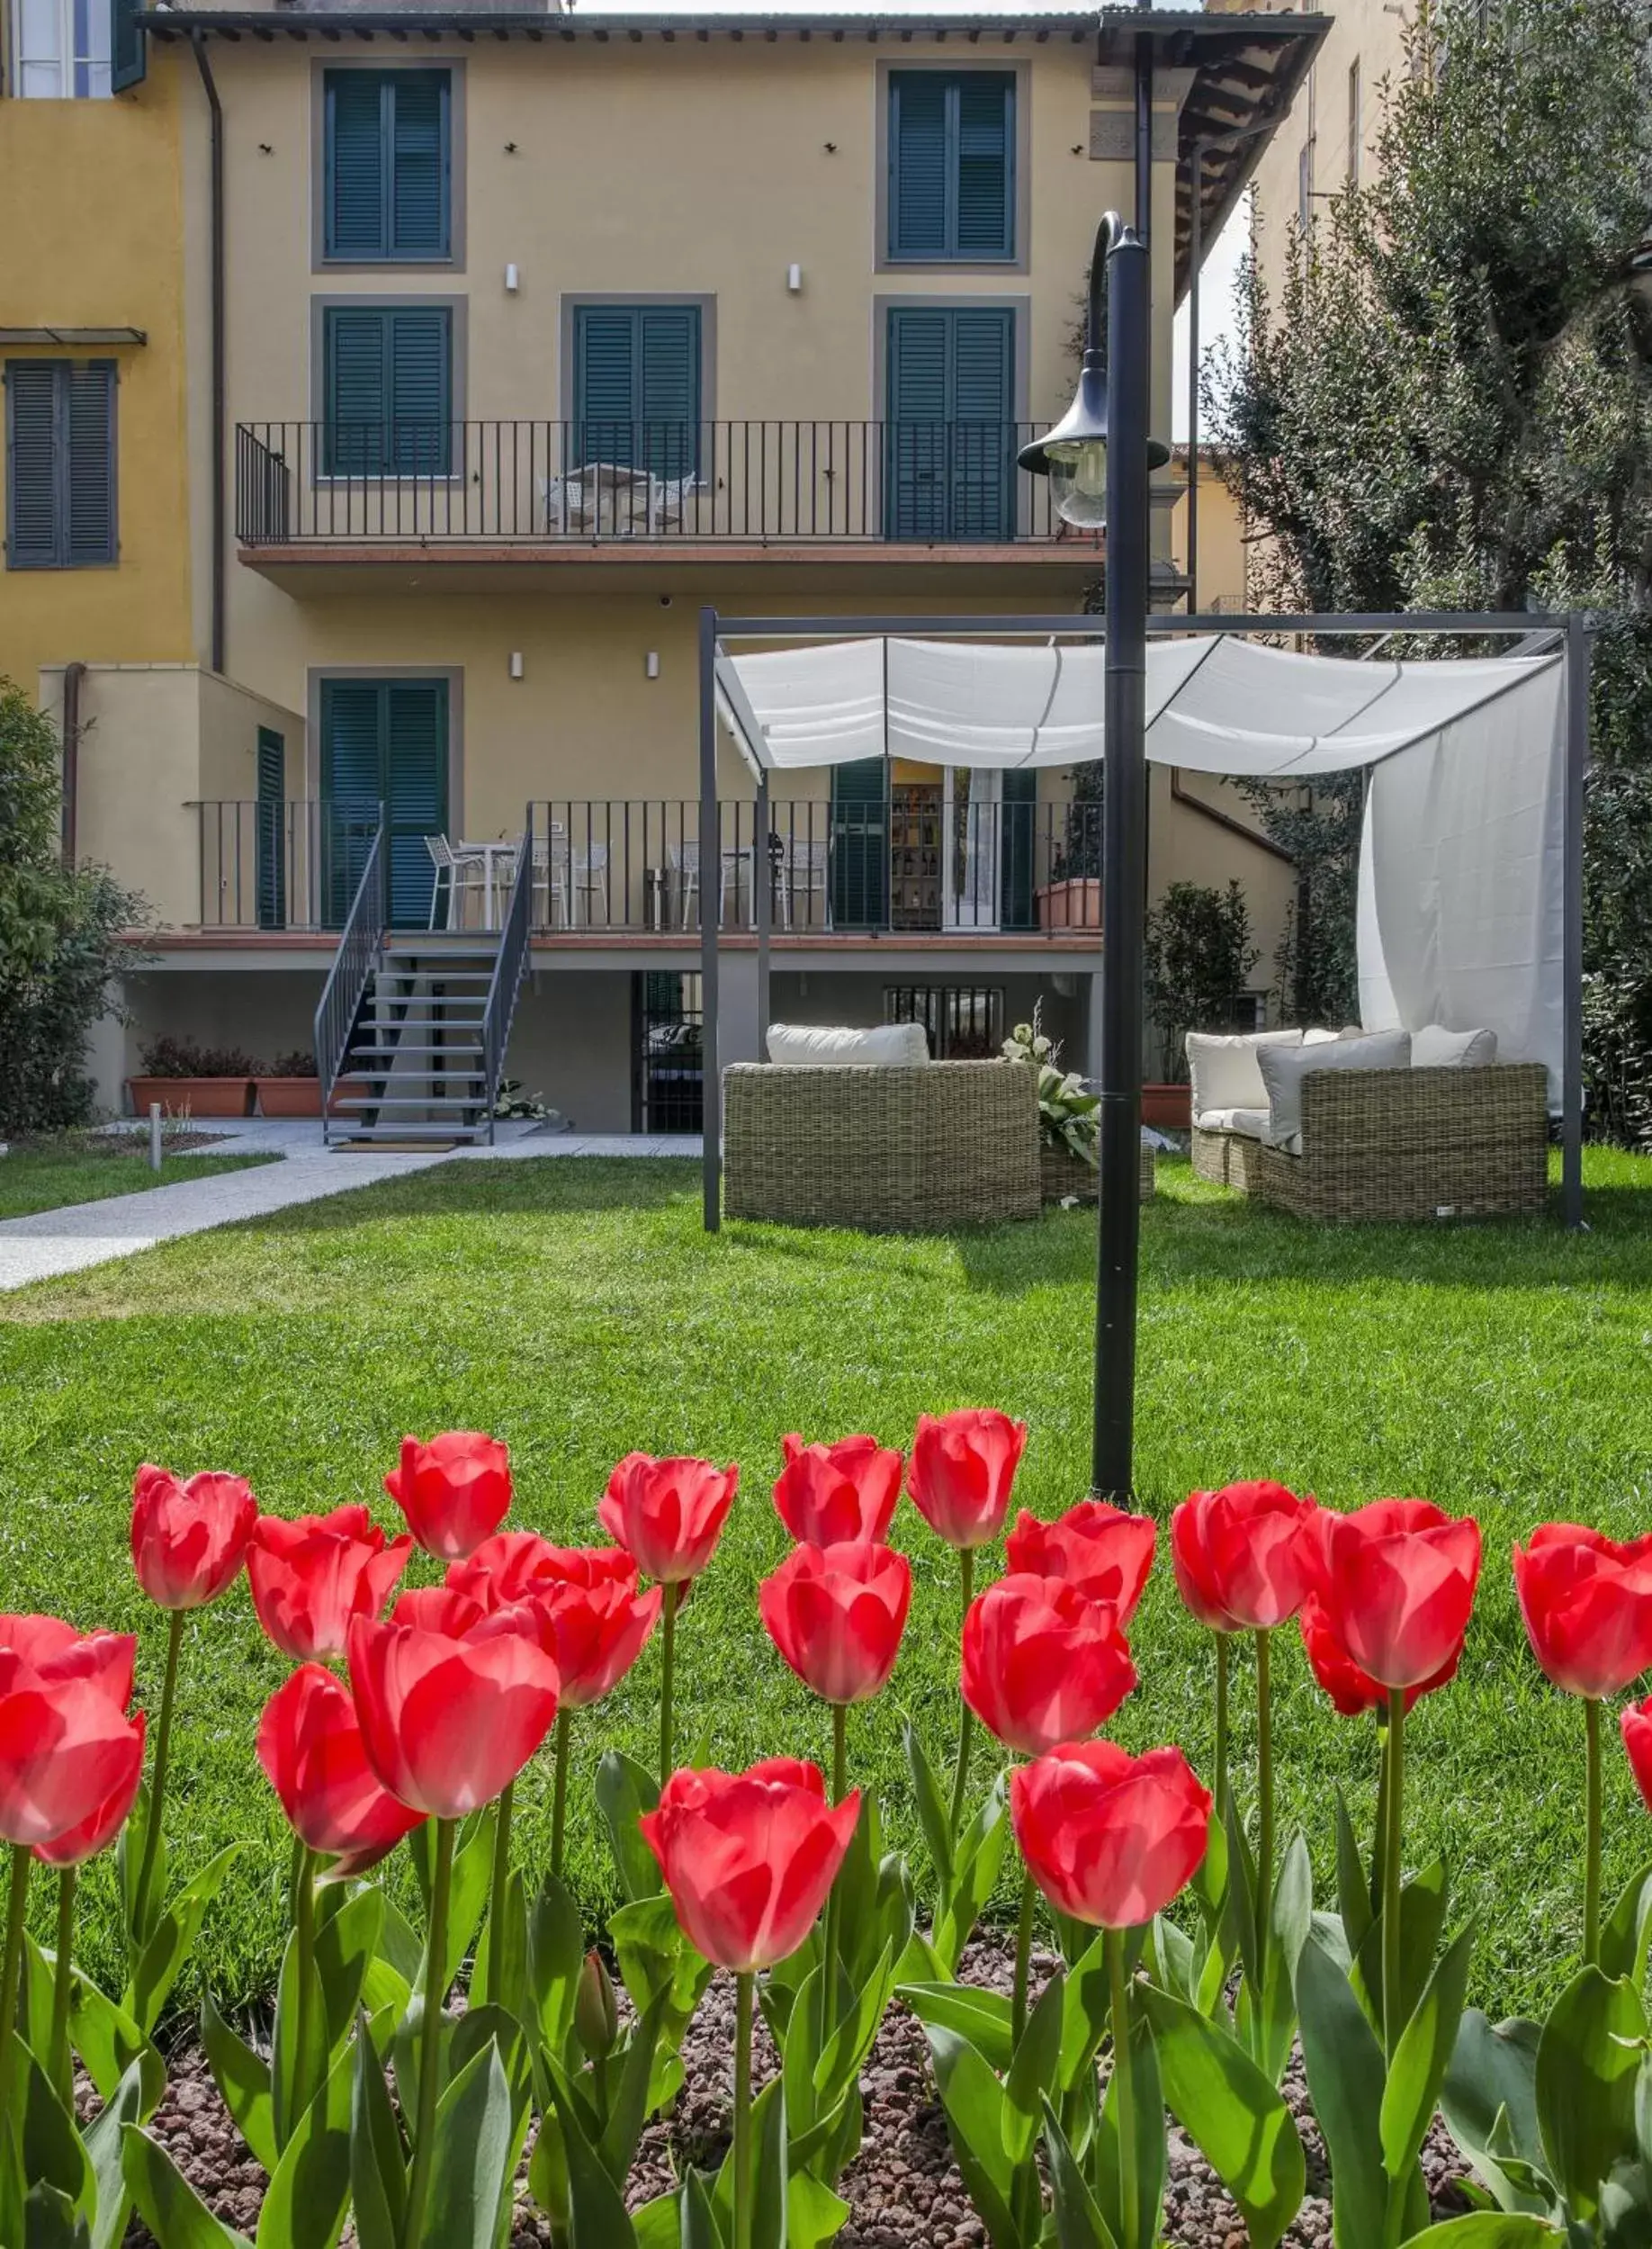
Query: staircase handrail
point(509, 967)
point(361, 942)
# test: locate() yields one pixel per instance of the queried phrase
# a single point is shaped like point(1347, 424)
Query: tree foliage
point(1198, 957)
point(1451, 404)
point(60, 931)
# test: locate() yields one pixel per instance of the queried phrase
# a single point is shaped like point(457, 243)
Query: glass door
point(971, 858)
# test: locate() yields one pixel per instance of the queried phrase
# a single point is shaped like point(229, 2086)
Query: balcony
point(549, 491)
point(925, 865)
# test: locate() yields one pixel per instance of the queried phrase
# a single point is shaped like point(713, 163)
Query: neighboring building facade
point(526, 335)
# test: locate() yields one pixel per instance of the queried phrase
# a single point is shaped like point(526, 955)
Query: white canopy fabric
point(1462, 871)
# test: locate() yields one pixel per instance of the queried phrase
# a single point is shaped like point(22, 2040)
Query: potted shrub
point(188, 1078)
point(1071, 898)
point(292, 1089)
point(1198, 958)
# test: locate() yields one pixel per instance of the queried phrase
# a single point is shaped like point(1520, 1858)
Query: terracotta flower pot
point(1169, 1107)
point(193, 1096)
point(1072, 904)
point(288, 1096)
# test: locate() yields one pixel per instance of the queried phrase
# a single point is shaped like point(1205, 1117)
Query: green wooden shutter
point(271, 816)
point(352, 785)
point(1018, 816)
point(419, 225)
point(919, 355)
point(604, 384)
point(355, 165)
point(31, 464)
point(420, 383)
point(129, 58)
point(388, 389)
point(981, 441)
point(88, 414)
point(985, 222)
point(918, 163)
point(415, 757)
point(667, 401)
point(860, 844)
point(357, 408)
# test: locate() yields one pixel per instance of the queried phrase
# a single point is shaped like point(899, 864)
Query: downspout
point(216, 112)
point(73, 674)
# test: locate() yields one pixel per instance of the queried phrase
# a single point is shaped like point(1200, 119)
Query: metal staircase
point(412, 1028)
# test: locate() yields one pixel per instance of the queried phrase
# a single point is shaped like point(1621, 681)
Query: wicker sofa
point(1400, 1145)
point(885, 1149)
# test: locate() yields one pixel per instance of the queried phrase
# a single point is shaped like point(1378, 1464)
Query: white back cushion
point(1434, 1048)
point(1283, 1073)
point(1223, 1068)
point(819, 1045)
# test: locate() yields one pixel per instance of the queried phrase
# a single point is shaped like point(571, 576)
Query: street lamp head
point(1073, 454)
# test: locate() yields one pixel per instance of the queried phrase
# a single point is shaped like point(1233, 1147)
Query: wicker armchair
point(1401, 1145)
point(887, 1150)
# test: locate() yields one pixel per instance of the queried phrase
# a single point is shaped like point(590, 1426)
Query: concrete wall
point(92, 193)
point(1223, 555)
point(268, 1014)
point(571, 1044)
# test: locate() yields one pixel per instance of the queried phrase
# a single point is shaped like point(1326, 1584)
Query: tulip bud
point(596, 2014)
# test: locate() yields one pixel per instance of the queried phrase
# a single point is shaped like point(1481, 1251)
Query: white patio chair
point(588, 878)
point(684, 861)
point(802, 868)
point(463, 870)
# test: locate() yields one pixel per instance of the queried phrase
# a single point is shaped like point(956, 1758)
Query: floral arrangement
point(407, 1719)
point(1068, 1113)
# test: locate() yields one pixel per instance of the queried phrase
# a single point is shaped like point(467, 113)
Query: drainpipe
point(216, 111)
point(73, 674)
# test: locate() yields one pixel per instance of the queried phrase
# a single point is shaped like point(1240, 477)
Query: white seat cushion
point(1319, 1037)
point(824, 1045)
point(1223, 1068)
point(1434, 1048)
point(1283, 1073)
point(1249, 1123)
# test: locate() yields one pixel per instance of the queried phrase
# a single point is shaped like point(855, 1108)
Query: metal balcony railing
point(918, 861)
point(570, 483)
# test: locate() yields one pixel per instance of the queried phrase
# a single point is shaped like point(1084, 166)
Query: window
point(637, 386)
point(61, 48)
point(952, 166)
point(59, 463)
point(965, 1021)
point(388, 378)
point(387, 165)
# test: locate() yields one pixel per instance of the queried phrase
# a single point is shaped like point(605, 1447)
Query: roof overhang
point(896, 28)
point(72, 336)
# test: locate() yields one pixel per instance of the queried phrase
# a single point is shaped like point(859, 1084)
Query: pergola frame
point(1572, 629)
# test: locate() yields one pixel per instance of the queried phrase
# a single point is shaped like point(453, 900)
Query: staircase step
point(350, 1104)
point(454, 1048)
point(441, 975)
point(422, 1022)
point(443, 1136)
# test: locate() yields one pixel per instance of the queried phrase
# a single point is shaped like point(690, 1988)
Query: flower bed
point(422, 2081)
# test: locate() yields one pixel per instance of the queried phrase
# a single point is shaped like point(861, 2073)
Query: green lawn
point(576, 1308)
point(84, 1168)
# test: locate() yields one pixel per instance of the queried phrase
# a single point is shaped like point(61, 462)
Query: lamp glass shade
point(1077, 480)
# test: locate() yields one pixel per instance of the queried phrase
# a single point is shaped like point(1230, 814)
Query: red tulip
point(1399, 1581)
point(749, 1858)
point(99, 1829)
point(1351, 1690)
point(1095, 1546)
point(1108, 1837)
point(828, 1495)
point(189, 1539)
point(1041, 1664)
point(1244, 1556)
point(963, 1467)
point(454, 1492)
point(448, 1718)
point(66, 1750)
point(521, 1566)
point(667, 1515)
point(1587, 1603)
point(1635, 1723)
point(837, 1612)
point(311, 1576)
point(439, 1608)
point(56, 1651)
point(310, 1745)
point(596, 1632)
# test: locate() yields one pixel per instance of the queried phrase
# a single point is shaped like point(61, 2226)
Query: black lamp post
point(1097, 459)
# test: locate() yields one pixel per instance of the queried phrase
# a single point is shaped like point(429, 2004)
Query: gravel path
point(904, 2188)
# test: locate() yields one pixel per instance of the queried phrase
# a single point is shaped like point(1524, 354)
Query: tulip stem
point(142, 1918)
point(741, 2156)
point(832, 1940)
point(498, 1893)
point(1123, 2089)
point(304, 1922)
point(56, 2053)
point(1379, 1840)
point(1393, 1951)
point(1264, 1814)
point(1591, 1843)
point(559, 1801)
point(966, 1721)
point(430, 2034)
point(17, 1902)
point(1023, 1962)
point(840, 1751)
point(1221, 1726)
point(668, 1660)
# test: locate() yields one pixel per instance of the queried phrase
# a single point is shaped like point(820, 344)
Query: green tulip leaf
point(846, 2048)
point(1486, 2229)
point(624, 1791)
point(166, 2202)
point(1174, 1961)
point(346, 1943)
point(1344, 2067)
point(51, 2221)
point(1233, 2113)
point(52, 2150)
point(1418, 2067)
point(934, 1815)
point(378, 2159)
point(1353, 1891)
point(1627, 1930)
point(555, 1956)
point(982, 2016)
point(162, 1958)
point(1488, 2099)
point(129, 1863)
point(1423, 1911)
point(979, 1855)
point(597, 2207)
point(243, 2079)
point(628, 2108)
point(308, 2193)
point(1587, 2063)
point(701, 2228)
point(1034, 2072)
point(295, 2077)
point(814, 2215)
point(1137, 2228)
point(769, 2195)
point(1239, 1905)
point(473, 1877)
point(400, 1947)
point(1086, 2012)
point(1079, 2223)
point(973, 2103)
point(475, 2142)
point(509, 1984)
point(105, 2036)
point(112, 2202)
